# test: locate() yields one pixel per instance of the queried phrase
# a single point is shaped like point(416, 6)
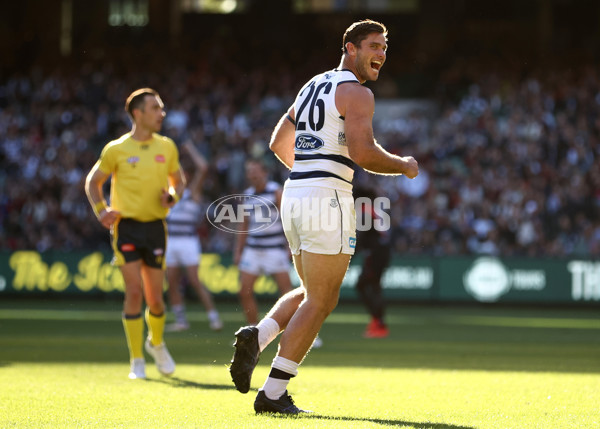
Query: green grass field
point(64, 364)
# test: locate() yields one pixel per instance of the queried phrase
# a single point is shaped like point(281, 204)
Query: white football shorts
point(319, 220)
point(267, 261)
point(183, 251)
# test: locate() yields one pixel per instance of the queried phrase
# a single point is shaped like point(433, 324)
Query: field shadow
point(384, 422)
point(180, 382)
point(420, 338)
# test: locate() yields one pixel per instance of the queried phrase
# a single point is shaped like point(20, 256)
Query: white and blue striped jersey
point(184, 217)
point(273, 236)
point(321, 153)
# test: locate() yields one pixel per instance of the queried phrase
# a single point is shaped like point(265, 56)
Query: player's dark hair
point(136, 99)
point(359, 31)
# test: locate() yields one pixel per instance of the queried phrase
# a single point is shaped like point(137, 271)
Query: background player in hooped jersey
point(147, 181)
point(323, 134)
point(184, 249)
point(261, 250)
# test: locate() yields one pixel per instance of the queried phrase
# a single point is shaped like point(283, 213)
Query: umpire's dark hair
point(359, 31)
point(136, 99)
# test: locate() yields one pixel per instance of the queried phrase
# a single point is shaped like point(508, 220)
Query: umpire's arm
point(93, 189)
point(177, 184)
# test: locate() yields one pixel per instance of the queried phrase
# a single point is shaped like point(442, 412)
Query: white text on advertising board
point(585, 280)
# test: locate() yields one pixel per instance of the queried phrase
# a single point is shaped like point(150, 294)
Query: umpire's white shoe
point(162, 358)
point(138, 369)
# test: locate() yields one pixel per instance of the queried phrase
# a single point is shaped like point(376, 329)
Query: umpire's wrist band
point(99, 207)
point(173, 196)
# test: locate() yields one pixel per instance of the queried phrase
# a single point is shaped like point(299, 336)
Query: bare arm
point(195, 185)
point(240, 242)
point(282, 140)
point(93, 189)
point(176, 185)
point(278, 194)
point(357, 104)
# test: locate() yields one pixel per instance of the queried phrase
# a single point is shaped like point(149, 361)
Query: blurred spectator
point(511, 167)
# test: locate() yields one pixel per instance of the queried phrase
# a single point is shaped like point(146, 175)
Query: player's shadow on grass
point(384, 422)
point(179, 382)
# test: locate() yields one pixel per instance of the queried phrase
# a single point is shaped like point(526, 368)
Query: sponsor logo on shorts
point(158, 252)
point(242, 214)
point(127, 247)
point(352, 242)
point(308, 142)
point(160, 158)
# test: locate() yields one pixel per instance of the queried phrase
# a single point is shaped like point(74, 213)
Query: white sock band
point(285, 365)
point(275, 387)
point(268, 329)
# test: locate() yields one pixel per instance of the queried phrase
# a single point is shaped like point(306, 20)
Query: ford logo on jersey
point(308, 142)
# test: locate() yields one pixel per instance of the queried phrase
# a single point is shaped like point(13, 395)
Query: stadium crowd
point(509, 161)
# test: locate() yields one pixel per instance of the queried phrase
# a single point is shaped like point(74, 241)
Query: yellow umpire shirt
point(140, 170)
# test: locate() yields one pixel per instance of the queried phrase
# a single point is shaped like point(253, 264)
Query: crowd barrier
point(434, 279)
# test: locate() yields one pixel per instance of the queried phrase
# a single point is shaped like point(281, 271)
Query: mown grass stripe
point(342, 318)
